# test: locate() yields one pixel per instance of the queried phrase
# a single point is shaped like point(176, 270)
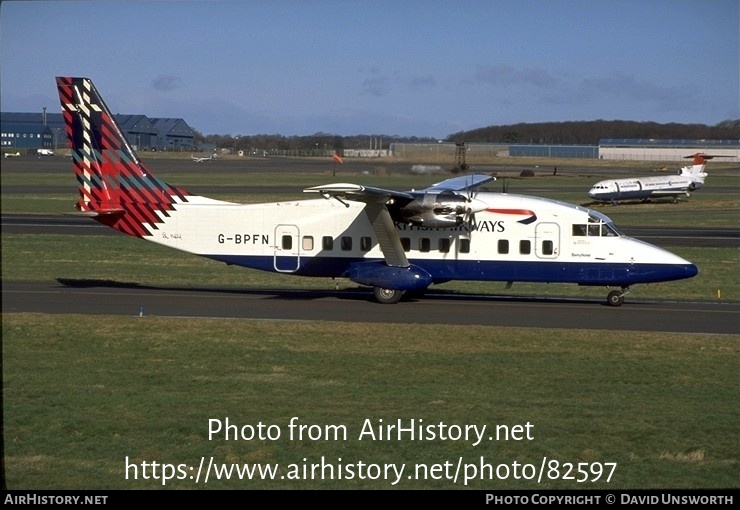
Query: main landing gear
point(616, 297)
point(387, 296)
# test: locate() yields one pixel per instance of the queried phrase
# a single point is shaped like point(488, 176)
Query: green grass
point(83, 394)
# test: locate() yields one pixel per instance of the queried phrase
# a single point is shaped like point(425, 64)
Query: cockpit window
point(595, 229)
point(609, 230)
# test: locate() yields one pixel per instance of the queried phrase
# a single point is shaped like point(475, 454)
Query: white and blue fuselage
point(515, 239)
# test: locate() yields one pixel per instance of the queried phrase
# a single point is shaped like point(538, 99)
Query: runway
point(137, 301)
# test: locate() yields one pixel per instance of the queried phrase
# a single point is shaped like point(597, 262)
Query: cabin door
point(547, 240)
point(287, 249)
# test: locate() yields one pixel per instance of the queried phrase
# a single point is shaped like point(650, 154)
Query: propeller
point(474, 205)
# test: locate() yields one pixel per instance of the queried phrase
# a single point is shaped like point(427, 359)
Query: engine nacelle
point(438, 210)
point(378, 274)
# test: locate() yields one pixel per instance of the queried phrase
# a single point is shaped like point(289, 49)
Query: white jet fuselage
point(646, 187)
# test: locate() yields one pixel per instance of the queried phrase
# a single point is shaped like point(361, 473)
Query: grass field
point(87, 396)
point(91, 402)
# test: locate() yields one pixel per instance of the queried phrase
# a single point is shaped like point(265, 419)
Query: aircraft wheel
point(387, 296)
point(615, 298)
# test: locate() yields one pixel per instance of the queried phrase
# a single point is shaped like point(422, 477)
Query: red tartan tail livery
point(395, 242)
point(115, 186)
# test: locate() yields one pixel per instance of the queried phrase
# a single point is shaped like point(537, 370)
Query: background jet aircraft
point(689, 178)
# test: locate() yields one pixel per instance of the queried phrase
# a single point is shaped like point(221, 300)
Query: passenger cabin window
point(503, 246)
point(307, 243)
point(366, 243)
point(464, 245)
point(547, 247)
point(525, 247)
point(444, 245)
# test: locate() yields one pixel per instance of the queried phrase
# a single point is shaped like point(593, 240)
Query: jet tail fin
point(115, 186)
point(696, 172)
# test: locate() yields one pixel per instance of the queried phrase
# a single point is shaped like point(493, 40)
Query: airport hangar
point(32, 131)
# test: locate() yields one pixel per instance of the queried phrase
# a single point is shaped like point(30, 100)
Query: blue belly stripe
point(582, 273)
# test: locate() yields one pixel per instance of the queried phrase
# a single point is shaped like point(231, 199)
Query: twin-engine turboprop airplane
point(689, 179)
point(393, 241)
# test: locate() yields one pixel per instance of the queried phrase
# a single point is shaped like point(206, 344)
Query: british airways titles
point(264, 239)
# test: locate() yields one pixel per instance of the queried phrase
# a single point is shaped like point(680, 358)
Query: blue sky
point(409, 68)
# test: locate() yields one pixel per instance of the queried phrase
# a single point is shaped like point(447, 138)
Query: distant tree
point(590, 132)
point(564, 133)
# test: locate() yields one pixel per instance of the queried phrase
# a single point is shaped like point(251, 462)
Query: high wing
point(372, 194)
point(444, 204)
point(462, 183)
point(359, 193)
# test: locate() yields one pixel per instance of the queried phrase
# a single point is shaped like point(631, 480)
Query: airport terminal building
point(32, 131)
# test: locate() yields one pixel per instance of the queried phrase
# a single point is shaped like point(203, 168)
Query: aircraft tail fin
point(696, 172)
point(114, 185)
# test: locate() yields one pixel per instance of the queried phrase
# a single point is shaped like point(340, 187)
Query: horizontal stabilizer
point(98, 213)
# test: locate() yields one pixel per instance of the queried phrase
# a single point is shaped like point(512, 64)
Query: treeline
point(590, 132)
point(563, 133)
point(320, 142)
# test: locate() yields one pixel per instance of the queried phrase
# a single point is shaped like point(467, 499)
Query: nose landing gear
point(616, 297)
